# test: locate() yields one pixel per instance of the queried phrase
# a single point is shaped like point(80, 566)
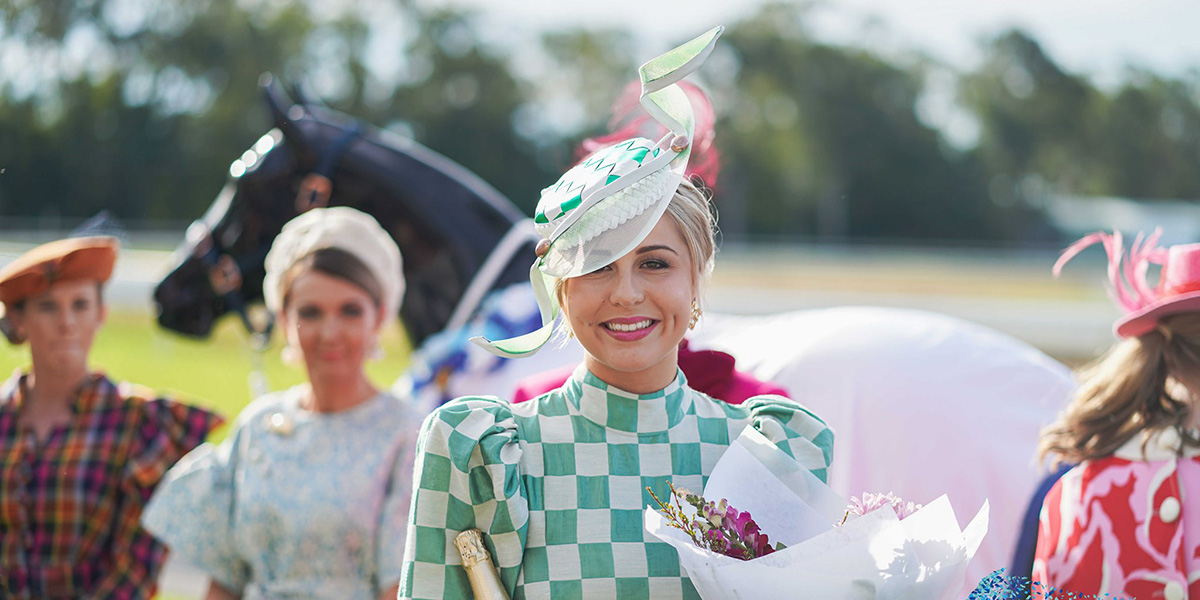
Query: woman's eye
point(656, 263)
point(308, 312)
point(79, 305)
point(352, 310)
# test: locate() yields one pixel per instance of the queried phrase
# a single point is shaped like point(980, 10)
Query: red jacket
point(1122, 525)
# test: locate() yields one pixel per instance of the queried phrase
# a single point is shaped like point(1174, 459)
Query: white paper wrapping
point(876, 556)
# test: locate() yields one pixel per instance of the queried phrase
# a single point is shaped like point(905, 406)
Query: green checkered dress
point(558, 484)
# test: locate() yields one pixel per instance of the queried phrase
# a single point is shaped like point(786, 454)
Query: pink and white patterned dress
point(1120, 525)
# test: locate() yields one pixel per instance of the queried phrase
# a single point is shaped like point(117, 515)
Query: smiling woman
point(632, 313)
point(558, 484)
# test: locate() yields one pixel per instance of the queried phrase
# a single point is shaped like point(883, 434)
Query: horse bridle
point(225, 276)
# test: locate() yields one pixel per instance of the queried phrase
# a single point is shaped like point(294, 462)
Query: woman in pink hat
point(1117, 523)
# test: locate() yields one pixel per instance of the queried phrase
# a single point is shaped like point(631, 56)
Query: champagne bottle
point(485, 580)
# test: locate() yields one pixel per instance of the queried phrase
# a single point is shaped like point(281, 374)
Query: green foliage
point(1043, 125)
point(825, 141)
point(140, 107)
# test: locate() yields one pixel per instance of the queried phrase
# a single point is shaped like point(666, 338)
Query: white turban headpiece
point(345, 229)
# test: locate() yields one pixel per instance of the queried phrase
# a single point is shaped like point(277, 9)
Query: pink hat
point(1178, 288)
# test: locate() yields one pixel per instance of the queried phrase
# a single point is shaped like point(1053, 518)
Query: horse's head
point(446, 221)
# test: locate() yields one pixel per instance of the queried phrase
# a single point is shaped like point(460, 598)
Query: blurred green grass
point(213, 373)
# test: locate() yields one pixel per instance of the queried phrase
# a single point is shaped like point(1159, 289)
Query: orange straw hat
point(64, 260)
point(1177, 290)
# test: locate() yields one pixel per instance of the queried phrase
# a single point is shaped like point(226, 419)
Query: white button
point(1173, 591)
point(1168, 439)
point(1168, 511)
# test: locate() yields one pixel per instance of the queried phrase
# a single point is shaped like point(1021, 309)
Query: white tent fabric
point(921, 404)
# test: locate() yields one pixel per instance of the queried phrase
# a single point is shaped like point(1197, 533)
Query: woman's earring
point(376, 351)
point(696, 312)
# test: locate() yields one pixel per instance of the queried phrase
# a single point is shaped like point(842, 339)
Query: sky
point(1094, 37)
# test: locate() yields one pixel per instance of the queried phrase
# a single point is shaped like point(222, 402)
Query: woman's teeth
point(629, 326)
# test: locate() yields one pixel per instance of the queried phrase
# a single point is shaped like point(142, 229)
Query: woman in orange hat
point(1117, 523)
point(79, 454)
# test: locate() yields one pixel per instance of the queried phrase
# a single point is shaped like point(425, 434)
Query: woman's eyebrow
point(645, 249)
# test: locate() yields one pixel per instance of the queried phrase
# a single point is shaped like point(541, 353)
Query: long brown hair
point(1140, 384)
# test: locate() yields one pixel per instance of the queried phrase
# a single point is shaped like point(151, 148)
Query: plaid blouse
point(69, 508)
point(558, 483)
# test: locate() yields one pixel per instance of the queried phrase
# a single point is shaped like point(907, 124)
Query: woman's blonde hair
point(1140, 384)
point(691, 210)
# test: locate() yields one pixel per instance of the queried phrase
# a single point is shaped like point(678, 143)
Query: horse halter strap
point(317, 186)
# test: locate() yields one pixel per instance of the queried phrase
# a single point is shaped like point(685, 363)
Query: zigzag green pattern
point(576, 179)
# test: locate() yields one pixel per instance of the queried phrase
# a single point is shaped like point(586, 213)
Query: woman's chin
point(618, 367)
point(334, 368)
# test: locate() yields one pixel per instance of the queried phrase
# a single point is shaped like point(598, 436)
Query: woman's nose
point(66, 319)
point(627, 290)
point(329, 327)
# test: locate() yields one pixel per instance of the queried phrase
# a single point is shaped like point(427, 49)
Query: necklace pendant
point(280, 424)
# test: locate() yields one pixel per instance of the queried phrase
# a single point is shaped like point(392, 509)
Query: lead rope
point(257, 380)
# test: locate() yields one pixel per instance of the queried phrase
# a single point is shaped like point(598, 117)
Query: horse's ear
point(299, 96)
point(280, 105)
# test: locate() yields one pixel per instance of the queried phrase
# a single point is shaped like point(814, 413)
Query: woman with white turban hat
point(308, 496)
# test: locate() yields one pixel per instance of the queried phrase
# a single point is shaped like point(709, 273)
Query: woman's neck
point(329, 395)
point(50, 388)
point(645, 381)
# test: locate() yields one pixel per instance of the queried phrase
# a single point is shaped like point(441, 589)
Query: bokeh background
point(927, 154)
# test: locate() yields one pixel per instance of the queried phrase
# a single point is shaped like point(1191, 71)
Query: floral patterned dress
point(70, 503)
point(1126, 525)
point(295, 504)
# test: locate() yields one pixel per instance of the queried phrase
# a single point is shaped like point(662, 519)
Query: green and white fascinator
point(607, 204)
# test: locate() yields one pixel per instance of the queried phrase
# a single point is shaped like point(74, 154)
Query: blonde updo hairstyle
point(692, 212)
point(1142, 384)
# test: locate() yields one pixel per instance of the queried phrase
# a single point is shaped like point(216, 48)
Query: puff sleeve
point(165, 431)
point(192, 512)
point(795, 430)
point(466, 476)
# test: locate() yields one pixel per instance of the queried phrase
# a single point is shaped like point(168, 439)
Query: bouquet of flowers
point(817, 548)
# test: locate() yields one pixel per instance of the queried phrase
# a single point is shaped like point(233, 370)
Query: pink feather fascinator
point(1177, 290)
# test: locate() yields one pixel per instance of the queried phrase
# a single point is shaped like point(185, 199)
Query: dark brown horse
point(448, 222)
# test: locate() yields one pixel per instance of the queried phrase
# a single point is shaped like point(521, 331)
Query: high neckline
point(90, 392)
point(295, 396)
point(609, 406)
point(1162, 444)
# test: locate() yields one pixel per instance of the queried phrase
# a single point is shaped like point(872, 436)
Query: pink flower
point(870, 502)
point(716, 526)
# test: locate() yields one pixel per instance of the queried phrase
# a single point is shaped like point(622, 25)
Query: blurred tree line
point(139, 106)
